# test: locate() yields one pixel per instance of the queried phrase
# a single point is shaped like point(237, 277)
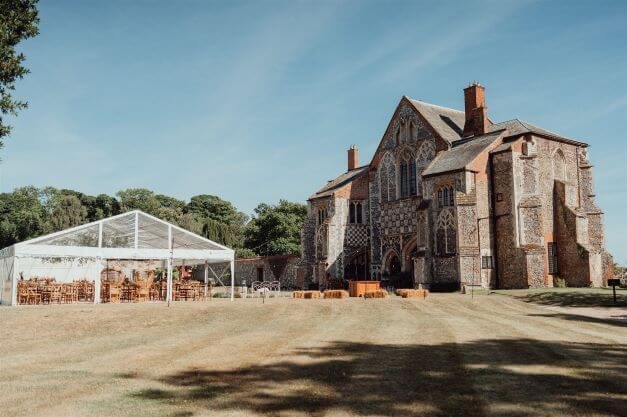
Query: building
point(282, 268)
point(451, 198)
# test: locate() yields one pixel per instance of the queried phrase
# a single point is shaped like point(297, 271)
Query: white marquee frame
point(187, 248)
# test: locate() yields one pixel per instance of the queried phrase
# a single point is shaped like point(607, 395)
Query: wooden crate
point(358, 288)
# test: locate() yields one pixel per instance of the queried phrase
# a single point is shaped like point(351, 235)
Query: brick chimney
point(477, 122)
point(353, 157)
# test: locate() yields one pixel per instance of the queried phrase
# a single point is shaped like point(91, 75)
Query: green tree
point(275, 229)
point(69, 212)
point(22, 216)
point(220, 220)
point(18, 21)
point(139, 199)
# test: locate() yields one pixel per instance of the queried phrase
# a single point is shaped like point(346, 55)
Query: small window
point(499, 197)
point(486, 262)
point(322, 215)
point(552, 253)
point(446, 197)
point(412, 177)
point(355, 215)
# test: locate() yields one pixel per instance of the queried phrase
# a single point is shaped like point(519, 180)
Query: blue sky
point(258, 101)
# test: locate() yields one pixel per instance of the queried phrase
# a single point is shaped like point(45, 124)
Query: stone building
point(451, 198)
point(282, 268)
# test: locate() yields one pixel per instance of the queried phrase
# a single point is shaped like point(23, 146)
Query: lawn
point(448, 355)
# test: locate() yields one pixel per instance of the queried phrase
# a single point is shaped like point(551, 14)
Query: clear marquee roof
point(131, 235)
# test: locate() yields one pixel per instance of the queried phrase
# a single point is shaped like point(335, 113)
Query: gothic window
point(411, 131)
point(355, 211)
point(446, 234)
point(322, 215)
point(408, 175)
point(446, 197)
point(398, 135)
point(387, 177)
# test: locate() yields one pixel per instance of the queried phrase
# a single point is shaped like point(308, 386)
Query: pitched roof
point(449, 123)
point(339, 181)
point(518, 127)
point(461, 154)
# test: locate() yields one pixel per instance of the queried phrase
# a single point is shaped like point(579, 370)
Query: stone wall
point(282, 268)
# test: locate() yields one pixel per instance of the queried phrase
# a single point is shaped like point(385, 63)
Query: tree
point(275, 229)
point(18, 21)
point(69, 212)
point(139, 199)
point(22, 216)
point(220, 220)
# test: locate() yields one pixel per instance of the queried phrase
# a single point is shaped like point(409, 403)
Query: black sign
point(613, 282)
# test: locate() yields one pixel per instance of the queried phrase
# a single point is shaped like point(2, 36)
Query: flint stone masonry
point(283, 268)
point(486, 208)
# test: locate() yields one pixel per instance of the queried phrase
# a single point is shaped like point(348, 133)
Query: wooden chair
point(34, 296)
point(22, 292)
point(114, 293)
point(55, 293)
point(68, 293)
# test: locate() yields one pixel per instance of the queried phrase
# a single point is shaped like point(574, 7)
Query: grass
point(570, 297)
point(448, 355)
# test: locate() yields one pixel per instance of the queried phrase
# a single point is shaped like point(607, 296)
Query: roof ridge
point(434, 105)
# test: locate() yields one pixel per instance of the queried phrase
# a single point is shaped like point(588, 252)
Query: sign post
point(613, 283)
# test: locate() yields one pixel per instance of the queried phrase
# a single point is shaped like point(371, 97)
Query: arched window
point(407, 169)
point(446, 234)
point(412, 131)
point(355, 212)
point(398, 135)
point(387, 178)
point(322, 215)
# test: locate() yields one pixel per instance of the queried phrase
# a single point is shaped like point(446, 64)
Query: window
point(499, 197)
point(446, 234)
point(260, 273)
point(446, 197)
point(322, 215)
point(486, 262)
point(408, 176)
point(355, 212)
point(552, 252)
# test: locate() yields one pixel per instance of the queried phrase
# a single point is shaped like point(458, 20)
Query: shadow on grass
point(520, 377)
point(620, 321)
point(565, 298)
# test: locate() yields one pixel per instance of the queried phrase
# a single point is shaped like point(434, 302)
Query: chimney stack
point(477, 122)
point(353, 157)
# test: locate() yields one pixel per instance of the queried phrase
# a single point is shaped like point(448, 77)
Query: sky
point(258, 101)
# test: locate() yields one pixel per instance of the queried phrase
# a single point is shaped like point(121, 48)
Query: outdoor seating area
point(128, 258)
point(116, 287)
point(46, 290)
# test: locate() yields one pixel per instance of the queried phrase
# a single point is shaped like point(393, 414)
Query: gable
point(436, 123)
